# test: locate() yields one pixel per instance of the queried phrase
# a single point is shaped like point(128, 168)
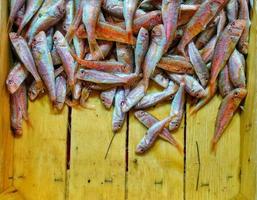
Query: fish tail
point(94, 48)
point(199, 105)
point(9, 24)
point(70, 33)
point(28, 121)
point(179, 148)
point(214, 145)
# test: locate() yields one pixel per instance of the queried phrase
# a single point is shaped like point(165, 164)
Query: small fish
point(205, 37)
point(192, 86)
point(44, 62)
point(17, 109)
point(170, 14)
point(55, 56)
point(151, 135)
point(107, 97)
point(222, 23)
point(47, 16)
point(133, 97)
point(105, 48)
point(226, 112)
point(206, 12)
point(208, 50)
point(154, 53)
point(125, 55)
point(177, 107)
point(244, 15)
point(16, 5)
point(16, 77)
point(200, 68)
point(69, 15)
point(224, 83)
point(61, 90)
point(106, 66)
point(175, 64)
point(23, 51)
point(160, 78)
point(91, 11)
point(76, 92)
point(68, 62)
point(19, 16)
point(142, 45)
point(236, 68)
point(129, 9)
point(186, 13)
point(148, 120)
point(118, 117)
point(79, 46)
point(49, 38)
point(108, 32)
point(35, 91)
point(228, 40)
point(232, 10)
point(84, 97)
point(32, 6)
point(154, 98)
point(104, 78)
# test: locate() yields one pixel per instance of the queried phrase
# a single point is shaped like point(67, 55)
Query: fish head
point(239, 93)
point(13, 36)
point(236, 27)
point(144, 34)
point(58, 38)
point(34, 92)
point(158, 33)
point(11, 85)
point(139, 114)
point(117, 125)
point(38, 39)
point(60, 10)
point(17, 131)
point(140, 149)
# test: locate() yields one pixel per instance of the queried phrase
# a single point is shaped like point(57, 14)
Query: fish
point(125, 55)
point(95, 76)
point(106, 66)
point(16, 77)
point(84, 97)
point(108, 32)
point(160, 78)
point(244, 15)
point(105, 48)
point(63, 50)
point(16, 5)
point(175, 64)
point(129, 9)
point(236, 69)
point(80, 47)
point(142, 45)
point(32, 6)
point(151, 135)
point(49, 38)
point(55, 56)
point(154, 53)
point(19, 16)
point(170, 13)
point(133, 97)
point(226, 112)
point(44, 63)
point(208, 50)
point(224, 83)
point(69, 15)
point(205, 37)
point(228, 40)
point(232, 10)
point(203, 16)
point(91, 11)
point(47, 16)
point(107, 97)
point(61, 90)
point(154, 98)
point(118, 117)
point(76, 92)
point(177, 107)
point(148, 120)
point(200, 68)
point(192, 86)
point(21, 48)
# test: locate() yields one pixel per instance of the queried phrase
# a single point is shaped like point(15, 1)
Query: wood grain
point(11, 193)
point(249, 120)
point(159, 173)
point(40, 154)
point(219, 173)
point(6, 138)
point(92, 176)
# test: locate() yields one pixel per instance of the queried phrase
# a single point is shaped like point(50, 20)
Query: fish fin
point(89, 106)
point(199, 105)
point(179, 148)
point(28, 121)
point(214, 145)
point(94, 47)
point(242, 108)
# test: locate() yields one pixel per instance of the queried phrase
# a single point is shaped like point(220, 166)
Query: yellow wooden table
point(36, 167)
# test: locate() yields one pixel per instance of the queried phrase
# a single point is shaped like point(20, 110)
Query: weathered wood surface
point(11, 193)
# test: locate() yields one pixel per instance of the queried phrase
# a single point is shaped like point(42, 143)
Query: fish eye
point(236, 93)
point(10, 82)
point(39, 15)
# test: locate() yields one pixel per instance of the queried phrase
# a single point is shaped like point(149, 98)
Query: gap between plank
point(126, 156)
point(185, 130)
point(68, 143)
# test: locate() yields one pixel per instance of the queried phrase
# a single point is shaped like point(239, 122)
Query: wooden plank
point(219, 173)
point(40, 154)
point(159, 173)
point(6, 139)
point(91, 176)
point(11, 194)
point(249, 120)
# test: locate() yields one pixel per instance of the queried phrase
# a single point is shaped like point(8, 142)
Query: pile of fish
point(67, 48)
